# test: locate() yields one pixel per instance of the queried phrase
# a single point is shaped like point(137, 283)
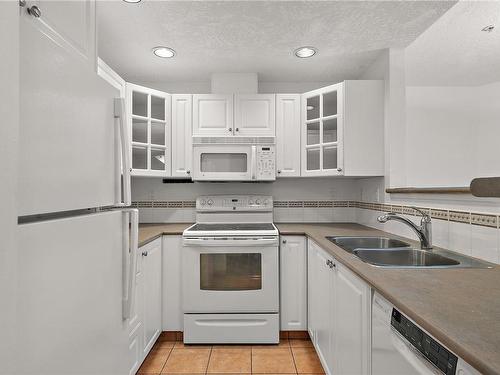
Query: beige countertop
point(460, 307)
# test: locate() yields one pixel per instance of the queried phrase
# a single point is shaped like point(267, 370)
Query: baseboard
point(178, 335)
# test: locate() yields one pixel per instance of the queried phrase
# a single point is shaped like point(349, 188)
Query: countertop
point(460, 307)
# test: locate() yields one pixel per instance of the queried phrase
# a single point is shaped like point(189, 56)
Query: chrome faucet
point(424, 231)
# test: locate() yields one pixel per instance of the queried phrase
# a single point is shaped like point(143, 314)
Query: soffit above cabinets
point(235, 36)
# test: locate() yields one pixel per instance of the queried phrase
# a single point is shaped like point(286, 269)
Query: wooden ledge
point(429, 190)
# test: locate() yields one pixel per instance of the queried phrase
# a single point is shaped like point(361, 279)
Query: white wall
point(9, 113)
point(452, 134)
point(205, 87)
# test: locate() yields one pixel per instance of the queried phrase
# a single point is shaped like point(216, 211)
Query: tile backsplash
point(471, 233)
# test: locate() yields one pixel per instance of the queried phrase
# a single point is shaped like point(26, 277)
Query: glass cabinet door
point(149, 122)
point(322, 131)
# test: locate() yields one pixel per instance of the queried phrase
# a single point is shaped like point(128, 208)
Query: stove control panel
point(235, 203)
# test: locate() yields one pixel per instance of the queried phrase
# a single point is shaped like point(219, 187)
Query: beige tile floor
point(290, 356)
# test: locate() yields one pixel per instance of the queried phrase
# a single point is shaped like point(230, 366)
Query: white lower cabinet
point(145, 323)
point(293, 283)
point(339, 314)
point(172, 289)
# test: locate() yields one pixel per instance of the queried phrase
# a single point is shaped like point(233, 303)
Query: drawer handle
point(34, 11)
point(144, 253)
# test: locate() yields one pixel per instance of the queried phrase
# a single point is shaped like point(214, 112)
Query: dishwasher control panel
point(436, 353)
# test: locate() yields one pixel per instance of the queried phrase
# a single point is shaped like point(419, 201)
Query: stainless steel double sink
point(389, 252)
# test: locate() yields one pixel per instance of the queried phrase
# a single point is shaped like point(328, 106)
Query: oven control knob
point(203, 202)
point(250, 202)
point(266, 202)
point(257, 201)
point(210, 202)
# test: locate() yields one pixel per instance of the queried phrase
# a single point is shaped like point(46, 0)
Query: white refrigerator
point(77, 234)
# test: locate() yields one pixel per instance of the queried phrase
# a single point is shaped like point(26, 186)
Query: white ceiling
point(256, 36)
point(454, 51)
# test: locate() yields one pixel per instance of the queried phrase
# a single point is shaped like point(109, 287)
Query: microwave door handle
point(253, 162)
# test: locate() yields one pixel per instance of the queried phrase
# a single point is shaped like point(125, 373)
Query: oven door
point(224, 162)
point(230, 275)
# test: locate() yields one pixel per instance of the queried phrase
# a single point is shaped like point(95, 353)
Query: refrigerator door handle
point(130, 248)
point(120, 114)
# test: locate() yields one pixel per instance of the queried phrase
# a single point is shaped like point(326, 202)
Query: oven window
point(231, 271)
point(225, 162)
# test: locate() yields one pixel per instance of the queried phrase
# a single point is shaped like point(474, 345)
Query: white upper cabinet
point(212, 115)
point(148, 115)
point(181, 135)
point(288, 135)
point(322, 126)
point(342, 130)
point(255, 115)
point(70, 24)
point(293, 281)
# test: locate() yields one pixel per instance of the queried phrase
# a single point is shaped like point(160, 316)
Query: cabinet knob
point(230, 129)
point(188, 172)
point(237, 129)
point(144, 253)
point(284, 241)
point(279, 171)
point(339, 169)
point(34, 11)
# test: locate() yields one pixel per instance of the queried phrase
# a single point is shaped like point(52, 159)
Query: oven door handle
point(247, 242)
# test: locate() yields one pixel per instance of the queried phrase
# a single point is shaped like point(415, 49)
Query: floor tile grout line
point(168, 356)
point(209, 357)
point(294, 363)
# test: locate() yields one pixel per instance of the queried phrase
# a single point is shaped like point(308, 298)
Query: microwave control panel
point(266, 162)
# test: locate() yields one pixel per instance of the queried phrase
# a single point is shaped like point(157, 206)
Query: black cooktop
point(232, 226)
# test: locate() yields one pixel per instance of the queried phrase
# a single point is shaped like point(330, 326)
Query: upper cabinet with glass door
point(148, 113)
point(342, 130)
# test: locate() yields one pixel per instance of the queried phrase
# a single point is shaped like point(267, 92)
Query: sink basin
point(372, 243)
point(404, 258)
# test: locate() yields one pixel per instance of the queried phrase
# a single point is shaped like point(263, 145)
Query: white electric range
point(231, 272)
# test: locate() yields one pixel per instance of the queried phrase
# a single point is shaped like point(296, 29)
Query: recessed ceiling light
point(304, 52)
point(164, 52)
point(132, 1)
point(488, 28)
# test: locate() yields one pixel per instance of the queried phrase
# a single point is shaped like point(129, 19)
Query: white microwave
point(234, 162)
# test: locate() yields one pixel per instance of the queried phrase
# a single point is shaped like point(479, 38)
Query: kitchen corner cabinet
point(181, 135)
point(288, 126)
point(145, 324)
point(293, 281)
point(343, 130)
point(148, 116)
point(212, 115)
point(255, 115)
point(339, 314)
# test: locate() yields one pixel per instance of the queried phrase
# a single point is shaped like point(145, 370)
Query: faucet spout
point(423, 231)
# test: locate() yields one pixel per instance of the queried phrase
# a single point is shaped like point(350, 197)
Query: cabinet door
point(212, 115)
point(288, 135)
point(312, 290)
point(322, 130)
point(254, 115)
point(181, 135)
point(148, 114)
point(352, 314)
point(71, 25)
point(152, 303)
point(293, 274)
point(324, 313)
point(172, 288)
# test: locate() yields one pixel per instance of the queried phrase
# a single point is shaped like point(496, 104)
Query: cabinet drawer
point(231, 328)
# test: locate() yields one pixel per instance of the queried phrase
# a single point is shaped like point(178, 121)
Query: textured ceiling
point(248, 36)
point(454, 51)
